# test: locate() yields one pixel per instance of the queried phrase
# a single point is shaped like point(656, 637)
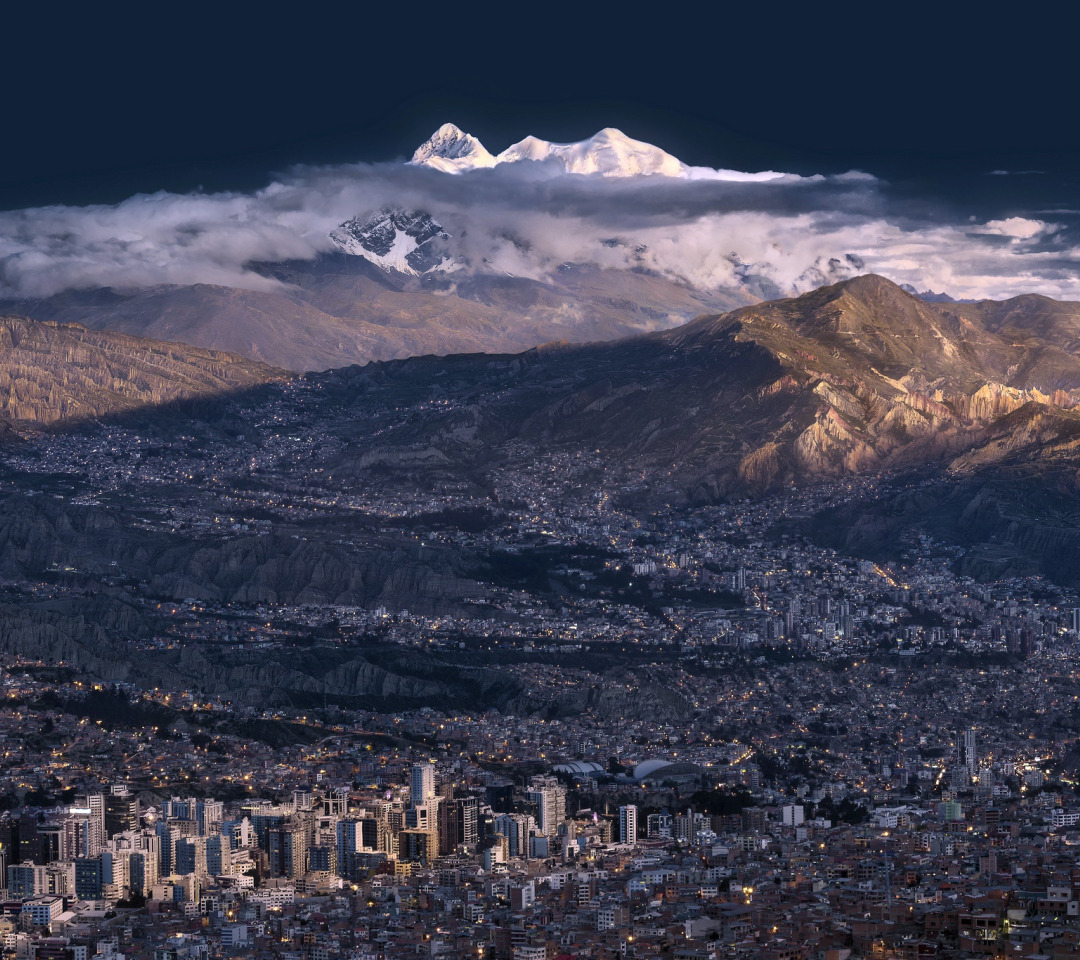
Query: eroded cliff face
point(857, 429)
point(98, 635)
point(53, 373)
point(56, 638)
point(282, 570)
point(42, 534)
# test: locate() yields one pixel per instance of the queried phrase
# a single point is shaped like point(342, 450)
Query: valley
point(666, 491)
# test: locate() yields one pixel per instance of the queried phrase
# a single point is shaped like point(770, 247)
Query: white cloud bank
point(790, 232)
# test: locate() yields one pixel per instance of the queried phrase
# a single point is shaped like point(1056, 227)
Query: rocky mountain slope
point(853, 378)
point(53, 372)
point(395, 240)
point(878, 380)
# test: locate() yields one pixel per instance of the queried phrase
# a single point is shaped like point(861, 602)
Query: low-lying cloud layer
point(782, 235)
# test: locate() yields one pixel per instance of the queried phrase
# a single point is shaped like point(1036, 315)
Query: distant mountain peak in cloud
point(402, 240)
point(608, 153)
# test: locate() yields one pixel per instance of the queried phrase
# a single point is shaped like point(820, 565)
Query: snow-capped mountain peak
point(609, 153)
point(406, 241)
point(452, 150)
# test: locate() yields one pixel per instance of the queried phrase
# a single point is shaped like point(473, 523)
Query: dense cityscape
point(717, 737)
point(816, 817)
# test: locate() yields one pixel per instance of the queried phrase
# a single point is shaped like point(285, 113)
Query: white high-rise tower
point(422, 784)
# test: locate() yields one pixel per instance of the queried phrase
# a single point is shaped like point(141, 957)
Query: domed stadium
point(581, 768)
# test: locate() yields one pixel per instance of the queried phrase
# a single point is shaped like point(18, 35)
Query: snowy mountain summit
point(609, 153)
point(451, 150)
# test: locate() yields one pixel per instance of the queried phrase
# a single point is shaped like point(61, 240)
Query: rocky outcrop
point(63, 372)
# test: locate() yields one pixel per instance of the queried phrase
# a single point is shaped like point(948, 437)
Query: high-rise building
point(209, 814)
point(84, 832)
point(966, 754)
point(449, 827)
point(49, 846)
point(19, 837)
point(26, 879)
point(423, 816)
point(685, 826)
point(445, 791)
point(216, 848)
point(323, 858)
point(516, 828)
point(550, 798)
point(121, 810)
point(422, 784)
point(335, 803)
point(178, 809)
point(287, 850)
point(115, 874)
point(628, 824)
point(95, 803)
point(237, 833)
point(88, 880)
point(190, 856)
point(468, 819)
point(133, 860)
point(415, 844)
point(355, 837)
point(659, 825)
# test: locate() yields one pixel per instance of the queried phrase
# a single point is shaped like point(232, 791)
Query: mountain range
point(854, 377)
point(396, 282)
point(608, 153)
point(852, 380)
point(340, 309)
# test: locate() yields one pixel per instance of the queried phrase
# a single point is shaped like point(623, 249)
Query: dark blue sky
point(100, 106)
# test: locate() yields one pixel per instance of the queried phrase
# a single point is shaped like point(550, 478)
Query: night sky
point(99, 106)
